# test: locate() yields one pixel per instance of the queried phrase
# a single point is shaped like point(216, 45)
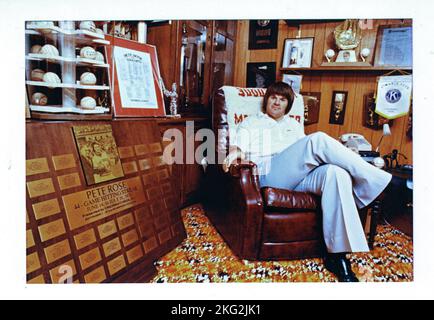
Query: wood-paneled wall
point(357, 83)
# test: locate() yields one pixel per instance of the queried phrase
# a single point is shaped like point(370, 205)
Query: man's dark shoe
point(340, 266)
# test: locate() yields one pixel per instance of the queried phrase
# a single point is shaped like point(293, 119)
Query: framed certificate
point(394, 46)
point(134, 78)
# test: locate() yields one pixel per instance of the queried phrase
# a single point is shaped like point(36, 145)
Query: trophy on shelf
point(173, 107)
point(348, 36)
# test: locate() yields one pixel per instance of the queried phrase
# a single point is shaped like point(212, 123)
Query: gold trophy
point(348, 36)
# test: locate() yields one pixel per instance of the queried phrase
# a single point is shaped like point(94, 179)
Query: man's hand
point(232, 156)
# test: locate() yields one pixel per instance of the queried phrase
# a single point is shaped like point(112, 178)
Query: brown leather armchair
point(259, 224)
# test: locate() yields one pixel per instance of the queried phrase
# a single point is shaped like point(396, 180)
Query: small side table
point(402, 216)
point(399, 212)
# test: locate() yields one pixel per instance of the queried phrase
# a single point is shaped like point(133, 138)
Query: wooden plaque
point(116, 265)
point(40, 187)
point(87, 206)
point(46, 208)
point(126, 152)
point(36, 166)
point(57, 251)
point(63, 161)
point(89, 258)
point(96, 276)
point(51, 230)
point(108, 232)
point(85, 238)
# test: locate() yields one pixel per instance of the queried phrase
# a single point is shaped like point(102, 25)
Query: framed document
point(134, 78)
point(260, 74)
point(297, 53)
point(263, 34)
point(394, 46)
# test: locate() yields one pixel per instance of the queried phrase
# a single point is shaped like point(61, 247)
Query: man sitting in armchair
point(288, 159)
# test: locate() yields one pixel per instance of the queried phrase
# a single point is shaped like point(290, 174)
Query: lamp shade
point(386, 130)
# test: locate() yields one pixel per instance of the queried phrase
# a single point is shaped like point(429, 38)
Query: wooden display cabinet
point(198, 55)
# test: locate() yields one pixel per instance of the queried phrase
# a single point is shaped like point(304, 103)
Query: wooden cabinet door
point(195, 58)
point(223, 50)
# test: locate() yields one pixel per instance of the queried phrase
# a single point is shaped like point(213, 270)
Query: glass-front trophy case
point(67, 72)
point(222, 60)
point(206, 61)
point(195, 56)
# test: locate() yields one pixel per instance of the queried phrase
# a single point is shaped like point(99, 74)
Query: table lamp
point(386, 132)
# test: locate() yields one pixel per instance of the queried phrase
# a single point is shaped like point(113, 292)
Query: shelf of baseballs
point(58, 59)
point(62, 109)
point(81, 36)
point(66, 85)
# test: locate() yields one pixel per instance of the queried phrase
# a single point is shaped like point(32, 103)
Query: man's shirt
point(260, 136)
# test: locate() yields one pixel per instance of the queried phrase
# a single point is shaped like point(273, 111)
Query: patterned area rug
point(205, 257)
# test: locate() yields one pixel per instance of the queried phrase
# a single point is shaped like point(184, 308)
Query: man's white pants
point(319, 164)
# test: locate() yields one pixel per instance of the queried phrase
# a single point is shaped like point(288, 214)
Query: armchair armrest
point(236, 167)
point(248, 203)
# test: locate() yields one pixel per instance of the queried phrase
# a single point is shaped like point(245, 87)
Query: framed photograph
point(260, 74)
point(98, 153)
point(394, 46)
point(294, 80)
point(263, 34)
point(297, 53)
point(371, 119)
point(337, 110)
point(134, 78)
point(312, 102)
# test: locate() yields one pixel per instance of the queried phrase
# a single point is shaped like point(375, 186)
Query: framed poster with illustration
point(134, 78)
point(394, 46)
point(297, 53)
point(312, 102)
point(337, 110)
point(98, 152)
point(260, 74)
point(263, 34)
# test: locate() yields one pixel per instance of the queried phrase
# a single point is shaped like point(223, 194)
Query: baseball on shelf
point(99, 56)
point(88, 53)
point(35, 48)
point(365, 52)
point(88, 103)
point(88, 78)
point(49, 50)
point(87, 25)
point(39, 99)
point(37, 75)
point(330, 53)
point(51, 77)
